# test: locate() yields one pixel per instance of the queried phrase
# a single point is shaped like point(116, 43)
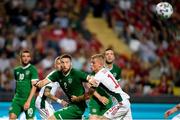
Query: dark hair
point(66, 56)
point(109, 48)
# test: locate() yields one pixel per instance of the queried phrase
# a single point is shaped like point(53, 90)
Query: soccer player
point(26, 76)
point(70, 81)
point(47, 94)
point(99, 105)
point(105, 79)
point(109, 63)
point(173, 110)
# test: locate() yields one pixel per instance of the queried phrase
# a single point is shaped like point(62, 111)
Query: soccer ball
point(164, 10)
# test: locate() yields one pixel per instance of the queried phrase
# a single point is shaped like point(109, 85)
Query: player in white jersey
point(173, 110)
point(47, 94)
point(105, 79)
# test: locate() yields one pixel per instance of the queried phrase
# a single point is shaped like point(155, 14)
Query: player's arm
point(42, 83)
point(34, 79)
point(32, 93)
point(49, 95)
point(102, 99)
point(172, 110)
point(83, 97)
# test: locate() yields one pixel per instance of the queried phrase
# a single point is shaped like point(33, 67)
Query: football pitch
point(139, 111)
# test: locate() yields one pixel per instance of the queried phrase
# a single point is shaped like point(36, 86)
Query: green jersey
point(70, 83)
point(116, 71)
point(23, 77)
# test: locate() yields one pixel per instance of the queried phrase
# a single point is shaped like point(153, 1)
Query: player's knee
point(12, 116)
point(52, 117)
point(93, 117)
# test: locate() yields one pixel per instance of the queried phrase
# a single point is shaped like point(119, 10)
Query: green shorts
point(71, 112)
point(18, 105)
point(97, 108)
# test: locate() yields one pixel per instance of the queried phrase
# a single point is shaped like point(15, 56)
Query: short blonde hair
point(100, 57)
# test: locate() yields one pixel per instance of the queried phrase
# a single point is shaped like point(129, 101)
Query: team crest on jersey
point(30, 112)
point(27, 72)
point(17, 73)
point(114, 74)
point(69, 80)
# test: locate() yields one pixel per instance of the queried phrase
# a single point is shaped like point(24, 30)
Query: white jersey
point(106, 78)
point(120, 110)
point(48, 109)
point(54, 86)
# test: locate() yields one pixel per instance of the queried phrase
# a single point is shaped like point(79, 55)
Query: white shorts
point(177, 117)
point(45, 112)
point(119, 111)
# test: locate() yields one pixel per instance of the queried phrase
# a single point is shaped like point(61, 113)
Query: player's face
point(95, 65)
point(65, 64)
point(109, 56)
point(25, 58)
point(58, 64)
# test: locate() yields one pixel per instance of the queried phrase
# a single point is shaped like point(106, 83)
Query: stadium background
point(147, 48)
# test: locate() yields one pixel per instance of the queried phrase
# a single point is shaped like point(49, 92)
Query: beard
point(109, 62)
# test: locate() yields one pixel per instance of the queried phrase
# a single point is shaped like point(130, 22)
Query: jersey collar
point(109, 68)
point(68, 72)
point(24, 67)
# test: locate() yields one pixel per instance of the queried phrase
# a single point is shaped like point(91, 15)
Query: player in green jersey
point(70, 81)
point(99, 105)
point(109, 63)
point(26, 76)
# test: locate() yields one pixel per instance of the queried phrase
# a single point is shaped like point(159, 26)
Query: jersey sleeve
point(34, 74)
point(53, 76)
point(99, 77)
point(82, 76)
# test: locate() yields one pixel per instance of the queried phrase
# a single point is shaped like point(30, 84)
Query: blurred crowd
point(52, 27)
point(154, 67)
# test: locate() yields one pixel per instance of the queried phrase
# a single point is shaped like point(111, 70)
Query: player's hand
point(93, 82)
point(26, 105)
point(77, 98)
point(104, 100)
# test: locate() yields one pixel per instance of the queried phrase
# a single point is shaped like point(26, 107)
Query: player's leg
point(49, 108)
point(128, 115)
point(70, 112)
point(31, 111)
point(119, 110)
point(15, 110)
point(94, 107)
